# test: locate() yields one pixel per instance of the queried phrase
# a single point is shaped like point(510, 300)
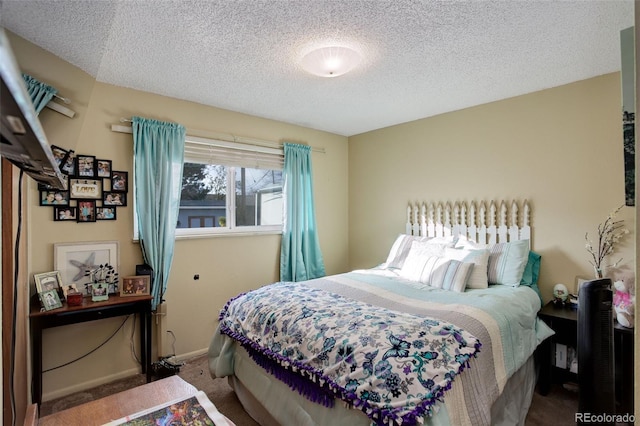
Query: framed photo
point(60, 155)
point(104, 168)
point(64, 213)
point(69, 167)
point(85, 189)
point(105, 213)
point(54, 197)
point(50, 300)
point(86, 211)
point(136, 285)
point(110, 198)
point(85, 166)
point(73, 260)
point(99, 292)
point(46, 187)
point(119, 181)
point(48, 281)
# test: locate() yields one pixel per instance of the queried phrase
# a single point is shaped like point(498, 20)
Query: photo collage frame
point(93, 190)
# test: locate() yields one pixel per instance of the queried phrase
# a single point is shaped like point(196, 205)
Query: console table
point(89, 311)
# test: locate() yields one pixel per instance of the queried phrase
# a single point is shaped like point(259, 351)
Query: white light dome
point(330, 61)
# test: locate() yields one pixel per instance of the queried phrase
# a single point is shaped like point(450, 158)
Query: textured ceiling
point(421, 58)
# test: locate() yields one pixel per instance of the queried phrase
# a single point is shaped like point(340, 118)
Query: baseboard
point(194, 354)
point(59, 393)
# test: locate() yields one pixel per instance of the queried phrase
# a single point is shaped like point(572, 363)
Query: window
point(229, 187)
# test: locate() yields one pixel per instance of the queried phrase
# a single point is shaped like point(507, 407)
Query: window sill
point(228, 233)
point(195, 234)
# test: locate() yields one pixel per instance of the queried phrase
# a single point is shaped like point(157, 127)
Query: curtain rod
point(219, 136)
point(64, 100)
point(61, 108)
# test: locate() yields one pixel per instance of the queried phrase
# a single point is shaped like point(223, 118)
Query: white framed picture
point(47, 281)
point(74, 260)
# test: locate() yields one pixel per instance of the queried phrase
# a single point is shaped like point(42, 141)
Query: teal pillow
point(531, 273)
point(531, 270)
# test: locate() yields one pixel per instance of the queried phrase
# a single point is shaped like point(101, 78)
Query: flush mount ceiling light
point(330, 61)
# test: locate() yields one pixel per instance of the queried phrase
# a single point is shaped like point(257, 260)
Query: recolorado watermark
point(604, 418)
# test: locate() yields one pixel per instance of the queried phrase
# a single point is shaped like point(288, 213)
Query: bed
point(442, 333)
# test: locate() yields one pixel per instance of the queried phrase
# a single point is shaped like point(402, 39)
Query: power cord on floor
point(166, 366)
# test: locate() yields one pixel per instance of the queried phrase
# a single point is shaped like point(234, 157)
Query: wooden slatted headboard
point(501, 222)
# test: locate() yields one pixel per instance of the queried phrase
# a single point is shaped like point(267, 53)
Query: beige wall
point(561, 149)
point(226, 265)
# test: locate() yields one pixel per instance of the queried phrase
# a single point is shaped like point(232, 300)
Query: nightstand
point(564, 321)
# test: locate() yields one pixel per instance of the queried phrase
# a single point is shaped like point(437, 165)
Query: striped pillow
point(437, 271)
point(506, 260)
point(479, 258)
point(454, 278)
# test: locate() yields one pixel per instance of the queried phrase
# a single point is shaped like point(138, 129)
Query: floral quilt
point(394, 366)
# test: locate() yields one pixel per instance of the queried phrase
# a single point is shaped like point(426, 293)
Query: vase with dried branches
point(609, 233)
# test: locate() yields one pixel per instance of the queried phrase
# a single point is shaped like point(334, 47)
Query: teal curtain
point(300, 255)
point(39, 92)
point(158, 156)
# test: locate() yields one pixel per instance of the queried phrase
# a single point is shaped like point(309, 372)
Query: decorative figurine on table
point(560, 294)
point(102, 279)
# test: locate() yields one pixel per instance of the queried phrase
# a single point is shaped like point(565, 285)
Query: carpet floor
point(556, 409)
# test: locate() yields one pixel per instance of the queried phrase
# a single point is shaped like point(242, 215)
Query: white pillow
point(401, 246)
point(506, 260)
point(419, 254)
point(479, 258)
point(425, 264)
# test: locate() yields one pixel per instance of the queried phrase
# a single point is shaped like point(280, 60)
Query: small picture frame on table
point(99, 292)
point(104, 169)
point(85, 166)
point(64, 213)
point(105, 213)
point(86, 211)
point(119, 181)
point(111, 198)
point(54, 197)
point(50, 300)
point(136, 285)
point(47, 281)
